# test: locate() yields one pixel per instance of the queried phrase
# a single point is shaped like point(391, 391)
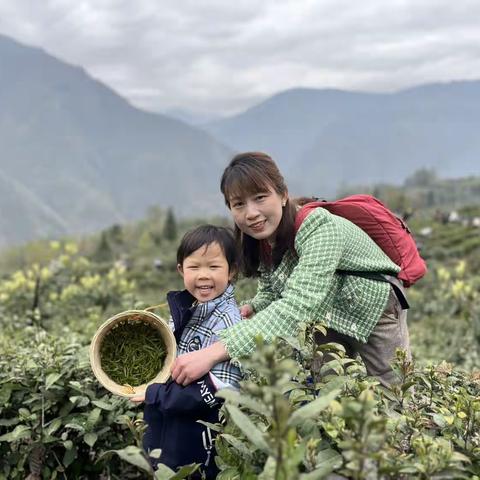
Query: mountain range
point(77, 157)
point(326, 138)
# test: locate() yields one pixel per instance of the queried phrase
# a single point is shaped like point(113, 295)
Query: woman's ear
point(284, 199)
point(180, 269)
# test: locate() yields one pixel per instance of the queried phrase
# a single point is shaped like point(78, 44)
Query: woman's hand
point(191, 366)
point(246, 311)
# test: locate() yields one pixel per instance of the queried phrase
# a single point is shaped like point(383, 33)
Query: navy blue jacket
point(172, 410)
point(171, 413)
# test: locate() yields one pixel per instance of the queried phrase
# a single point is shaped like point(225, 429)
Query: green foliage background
point(56, 421)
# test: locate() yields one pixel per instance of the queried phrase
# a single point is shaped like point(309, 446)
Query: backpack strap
point(304, 211)
point(383, 277)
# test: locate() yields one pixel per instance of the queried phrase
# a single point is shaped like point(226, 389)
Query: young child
point(207, 261)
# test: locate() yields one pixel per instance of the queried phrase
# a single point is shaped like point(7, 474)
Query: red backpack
point(389, 232)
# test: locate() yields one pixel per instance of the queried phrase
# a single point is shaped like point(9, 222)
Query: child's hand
point(246, 311)
point(138, 400)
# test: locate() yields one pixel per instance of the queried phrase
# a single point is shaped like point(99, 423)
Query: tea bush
point(445, 315)
point(296, 416)
point(54, 416)
point(286, 424)
point(67, 292)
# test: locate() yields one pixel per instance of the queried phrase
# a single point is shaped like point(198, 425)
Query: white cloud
point(220, 57)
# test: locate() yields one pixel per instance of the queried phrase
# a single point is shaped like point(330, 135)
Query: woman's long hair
point(248, 174)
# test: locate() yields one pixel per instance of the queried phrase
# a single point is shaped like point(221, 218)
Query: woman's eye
point(260, 197)
point(237, 205)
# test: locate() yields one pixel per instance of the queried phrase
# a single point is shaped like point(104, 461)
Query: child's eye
point(237, 204)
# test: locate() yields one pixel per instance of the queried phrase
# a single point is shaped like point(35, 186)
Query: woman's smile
point(257, 226)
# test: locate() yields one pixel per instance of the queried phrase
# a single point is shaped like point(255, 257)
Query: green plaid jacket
point(309, 289)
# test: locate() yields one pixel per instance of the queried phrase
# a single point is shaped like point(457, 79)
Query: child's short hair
point(204, 236)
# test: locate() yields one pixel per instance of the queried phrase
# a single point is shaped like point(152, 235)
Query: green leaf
point(291, 387)
point(163, 472)
point(268, 471)
point(51, 379)
point(248, 428)
point(93, 418)
point(296, 454)
point(90, 438)
point(5, 393)
point(103, 405)
point(439, 420)
point(321, 329)
point(80, 400)
point(460, 457)
point(49, 439)
point(328, 455)
point(102, 431)
point(65, 409)
point(317, 474)
point(53, 426)
point(327, 461)
point(75, 426)
point(9, 422)
point(20, 432)
point(132, 455)
point(333, 365)
point(70, 456)
point(241, 399)
point(185, 471)
point(293, 342)
point(214, 427)
point(24, 412)
point(229, 474)
point(312, 409)
point(335, 383)
point(155, 453)
point(238, 445)
point(76, 385)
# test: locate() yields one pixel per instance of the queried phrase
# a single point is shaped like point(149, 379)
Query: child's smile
point(204, 291)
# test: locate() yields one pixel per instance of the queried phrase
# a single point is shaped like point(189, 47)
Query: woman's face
point(259, 214)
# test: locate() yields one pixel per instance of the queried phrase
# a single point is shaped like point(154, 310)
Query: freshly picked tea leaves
point(132, 353)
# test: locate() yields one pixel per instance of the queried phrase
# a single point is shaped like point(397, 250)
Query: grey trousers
point(390, 333)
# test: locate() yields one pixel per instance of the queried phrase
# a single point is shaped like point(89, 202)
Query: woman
point(299, 276)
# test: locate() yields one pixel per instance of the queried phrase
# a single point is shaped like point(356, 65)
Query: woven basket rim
point(102, 331)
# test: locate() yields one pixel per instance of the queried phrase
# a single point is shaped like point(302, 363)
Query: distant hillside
point(76, 157)
point(424, 193)
point(326, 138)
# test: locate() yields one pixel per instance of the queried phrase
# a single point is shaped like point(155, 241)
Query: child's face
point(205, 272)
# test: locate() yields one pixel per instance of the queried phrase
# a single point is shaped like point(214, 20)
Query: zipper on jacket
point(207, 444)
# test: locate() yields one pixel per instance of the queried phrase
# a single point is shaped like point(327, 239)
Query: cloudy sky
point(217, 57)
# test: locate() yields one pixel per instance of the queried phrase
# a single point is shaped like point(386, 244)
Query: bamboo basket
point(145, 316)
